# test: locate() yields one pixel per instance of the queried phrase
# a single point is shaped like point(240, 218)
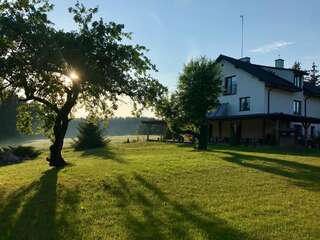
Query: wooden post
point(164, 132)
point(210, 129)
point(306, 126)
point(263, 130)
point(220, 128)
point(277, 126)
point(239, 131)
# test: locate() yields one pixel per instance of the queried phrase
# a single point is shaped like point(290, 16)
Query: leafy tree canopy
point(54, 70)
point(197, 94)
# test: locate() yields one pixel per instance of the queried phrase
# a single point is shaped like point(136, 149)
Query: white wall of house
point(282, 101)
point(313, 107)
point(247, 86)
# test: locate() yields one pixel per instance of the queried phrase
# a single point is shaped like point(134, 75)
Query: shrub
point(17, 154)
point(90, 136)
point(26, 152)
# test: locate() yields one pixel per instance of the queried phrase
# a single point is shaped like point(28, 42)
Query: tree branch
point(41, 100)
point(4, 87)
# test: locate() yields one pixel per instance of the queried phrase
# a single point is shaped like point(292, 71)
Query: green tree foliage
point(171, 110)
point(314, 76)
point(90, 136)
point(198, 89)
point(55, 70)
point(8, 106)
point(296, 66)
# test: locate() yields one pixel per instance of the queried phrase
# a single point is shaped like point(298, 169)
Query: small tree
point(54, 70)
point(198, 89)
point(314, 76)
point(296, 66)
point(90, 136)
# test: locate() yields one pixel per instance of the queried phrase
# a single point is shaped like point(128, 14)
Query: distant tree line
point(117, 126)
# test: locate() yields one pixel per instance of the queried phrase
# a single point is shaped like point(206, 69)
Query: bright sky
point(177, 30)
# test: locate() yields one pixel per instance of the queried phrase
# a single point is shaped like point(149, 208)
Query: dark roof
point(311, 90)
point(269, 78)
point(290, 117)
point(288, 69)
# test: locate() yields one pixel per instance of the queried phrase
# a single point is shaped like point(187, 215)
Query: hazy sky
point(177, 30)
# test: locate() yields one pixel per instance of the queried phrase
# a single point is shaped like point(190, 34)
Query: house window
point(297, 107)
point(245, 104)
point(230, 85)
point(297, 81)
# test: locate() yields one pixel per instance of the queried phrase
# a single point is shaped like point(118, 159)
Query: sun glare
point(70, 78)
point(74, 76)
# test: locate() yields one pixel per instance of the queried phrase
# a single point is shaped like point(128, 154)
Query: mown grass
point(164, 191)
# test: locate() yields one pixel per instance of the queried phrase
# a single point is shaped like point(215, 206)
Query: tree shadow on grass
point(301, 174)
point(30, 212)
point(105, 153)
point(300, 151)
point(159, 217)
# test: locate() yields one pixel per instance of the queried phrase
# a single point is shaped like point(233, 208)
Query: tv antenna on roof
point(242, 23)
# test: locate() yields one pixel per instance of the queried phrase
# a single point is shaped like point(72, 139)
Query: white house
point(264, 104)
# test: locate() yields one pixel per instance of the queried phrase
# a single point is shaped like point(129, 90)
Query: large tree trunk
point(61, 126)
point(203, 138)
point(60, 129)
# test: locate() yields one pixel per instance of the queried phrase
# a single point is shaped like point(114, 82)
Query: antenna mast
point(242, 22)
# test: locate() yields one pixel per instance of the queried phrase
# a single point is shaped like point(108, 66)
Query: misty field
point(163, 191)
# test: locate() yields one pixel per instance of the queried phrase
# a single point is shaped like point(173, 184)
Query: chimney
point(245, 59)
point(279, 63)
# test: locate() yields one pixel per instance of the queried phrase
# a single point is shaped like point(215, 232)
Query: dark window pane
point(230, 85)
point(245, 104)
point(296, 107)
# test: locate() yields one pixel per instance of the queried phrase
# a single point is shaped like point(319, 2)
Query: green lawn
point(163, 191)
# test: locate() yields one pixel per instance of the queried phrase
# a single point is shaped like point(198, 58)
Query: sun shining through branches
point(102, 68)
point(69, 79)
point(74, 75)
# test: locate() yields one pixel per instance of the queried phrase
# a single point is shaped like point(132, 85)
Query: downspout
point(305, 106)
point(268, 111)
